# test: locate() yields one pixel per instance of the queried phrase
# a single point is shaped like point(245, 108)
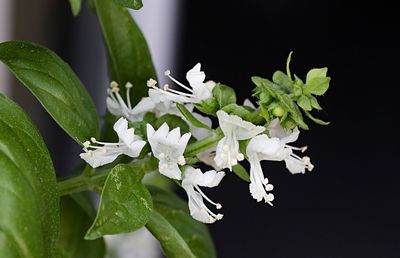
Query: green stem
point(205, 144)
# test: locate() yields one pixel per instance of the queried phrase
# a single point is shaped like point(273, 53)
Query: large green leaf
point(125, 203)
point(179, 234)
point(129, 57)
point(29, 212)
point(55, 85)
point(74, 223)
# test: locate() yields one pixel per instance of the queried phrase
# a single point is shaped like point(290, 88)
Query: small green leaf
point(55, 85)
point(316, 120)
point(173, 121)
point(224, 95)
point(134, 4)
point(317, 86)
point(316, 73)
point(314, 102)
point(241, 172)
point(283, 81)
point(29, 211)
point(304, 102)
point(125, 203)
point(188, 115)
point(209, 106)
point(128, 53)
point(74, 224)
point(179, 234)
point(75, 6)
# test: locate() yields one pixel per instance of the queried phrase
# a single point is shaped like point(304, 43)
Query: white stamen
point(128, 85)
point(151, 83)
point(86, 144)
point(167, 72)
point(219, 206)
point(219, 216)
point(240, 157)
point(166, 87)
point(269, 187)
point(93, 140)
point(114, 84)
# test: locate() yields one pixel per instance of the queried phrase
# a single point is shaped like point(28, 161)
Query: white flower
point(193, 178)
point(197, 92)
point(117, 106)
point(260, 148)
point(294, 163)
point(103, 152)
point(198, 132)
point(168, 147)
point(235, 129)
point(162, 104)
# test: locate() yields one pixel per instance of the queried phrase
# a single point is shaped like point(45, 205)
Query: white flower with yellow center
point(235, 129)
point(193, 178)
point(117, 106)
point(197, 92)
point(168, 147)
point(100, 153)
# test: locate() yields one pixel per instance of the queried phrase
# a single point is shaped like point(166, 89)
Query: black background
point(346, 207)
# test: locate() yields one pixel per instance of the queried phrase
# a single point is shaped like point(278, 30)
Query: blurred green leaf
point(74, 223)
point(224, 95)
point(304, 102)
point(316, 120)
point(55, 85)
point(29, 212)
point(241, 172)
point(128, 54)
point(173, 121)
point(125, 203)
point(188, 115)
point(179, 234)
point(134, 4)
point(75, 6)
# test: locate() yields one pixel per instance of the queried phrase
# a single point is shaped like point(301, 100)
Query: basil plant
point(149, 131)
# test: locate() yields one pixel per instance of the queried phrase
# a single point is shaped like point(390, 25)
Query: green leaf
point(29, 212)
point(316, 73)
point(317, 86)
point(134, 4)
point(304, 102)
point(241, 172)
point(317, 82)
point(314, 102)
point(55, 85)
point(289, 59)
point(173, 121)
point(316, 120)
point(188, 115)
point(75, 6)
point(209, 106)
point(74, 224)
point(224, 95)
point(283, 81)
point(125, 203)
point(129, 56)
point(179, 234)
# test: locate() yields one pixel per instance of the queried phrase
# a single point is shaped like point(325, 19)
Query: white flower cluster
point(168, 146)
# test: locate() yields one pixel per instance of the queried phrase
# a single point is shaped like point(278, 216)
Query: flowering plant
point(148, 131)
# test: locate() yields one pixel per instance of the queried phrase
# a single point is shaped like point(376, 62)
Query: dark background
point(346, 207)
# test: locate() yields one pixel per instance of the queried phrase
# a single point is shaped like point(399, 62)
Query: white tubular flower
point(168, 147)
point(235, 129)
point(100, 153)
point(197, 92)
point(162, 104)
point(193, 178)
point(294, 163)
point(260, 148)
point(117, 106)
